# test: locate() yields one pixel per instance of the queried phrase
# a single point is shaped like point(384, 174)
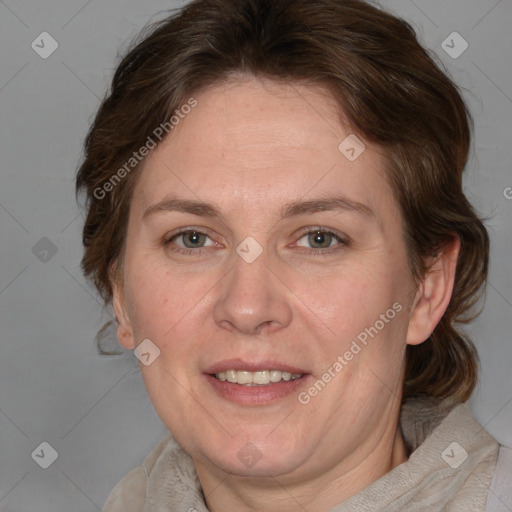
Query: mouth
point(261, 383)
point(259, 378)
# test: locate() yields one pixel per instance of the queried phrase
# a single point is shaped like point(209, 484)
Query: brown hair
point(387, 86)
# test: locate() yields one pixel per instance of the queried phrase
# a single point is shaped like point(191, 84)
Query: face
point(257, 251)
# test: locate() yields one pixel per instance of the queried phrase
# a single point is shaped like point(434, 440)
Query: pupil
point(320, 238)
point(194, 238)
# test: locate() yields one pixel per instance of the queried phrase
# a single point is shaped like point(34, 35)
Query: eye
point(319, 240)
point(188, 241)
point(193, 239)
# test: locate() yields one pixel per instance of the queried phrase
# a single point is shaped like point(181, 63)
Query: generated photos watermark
point(304, 397)
point(159, 133)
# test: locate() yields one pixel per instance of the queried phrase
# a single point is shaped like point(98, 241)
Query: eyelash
point(343, 242)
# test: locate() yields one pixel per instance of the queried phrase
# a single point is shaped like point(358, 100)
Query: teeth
point(259, 378)
point(275, 376)
point(243, 377)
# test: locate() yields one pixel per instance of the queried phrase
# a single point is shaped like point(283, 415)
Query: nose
point(253, 299)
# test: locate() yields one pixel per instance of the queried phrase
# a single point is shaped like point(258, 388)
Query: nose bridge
point(252, 296)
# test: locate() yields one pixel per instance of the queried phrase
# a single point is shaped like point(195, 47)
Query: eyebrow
point(203, 209)
point(340, 203)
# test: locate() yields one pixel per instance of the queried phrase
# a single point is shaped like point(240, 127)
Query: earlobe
point(124, 328)
point(433, 294)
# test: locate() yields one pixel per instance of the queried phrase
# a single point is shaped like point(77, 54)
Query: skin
point(249, 147)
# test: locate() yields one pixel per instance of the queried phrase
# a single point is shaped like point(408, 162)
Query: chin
point(255, 456)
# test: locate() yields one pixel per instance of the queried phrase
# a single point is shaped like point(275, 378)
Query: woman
point(275, 210)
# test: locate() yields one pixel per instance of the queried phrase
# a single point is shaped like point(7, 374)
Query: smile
point(258, 378)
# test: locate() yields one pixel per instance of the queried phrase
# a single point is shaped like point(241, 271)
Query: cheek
point(163, 301)
point(366, 315)
point(349, 301)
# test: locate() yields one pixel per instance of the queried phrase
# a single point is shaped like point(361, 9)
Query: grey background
point(54, 387)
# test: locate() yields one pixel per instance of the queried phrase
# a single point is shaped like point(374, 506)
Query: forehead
point(261, 142)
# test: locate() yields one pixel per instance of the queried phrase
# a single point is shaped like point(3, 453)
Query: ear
point(124, 327)
point(434, 293)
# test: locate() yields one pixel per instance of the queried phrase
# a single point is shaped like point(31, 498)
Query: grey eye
point(193, 239)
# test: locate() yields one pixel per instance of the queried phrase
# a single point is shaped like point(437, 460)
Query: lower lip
point(255, 395)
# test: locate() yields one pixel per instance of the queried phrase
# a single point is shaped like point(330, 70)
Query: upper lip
point(252, 366)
